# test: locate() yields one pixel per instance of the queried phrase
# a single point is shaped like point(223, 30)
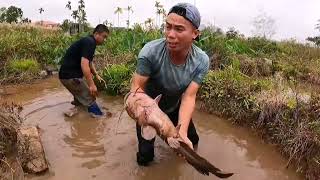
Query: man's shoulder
point(200, 54)
point(88, 40)
point(156, 42)
point(153, 47)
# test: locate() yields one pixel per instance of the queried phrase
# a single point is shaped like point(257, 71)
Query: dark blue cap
point(189, 12)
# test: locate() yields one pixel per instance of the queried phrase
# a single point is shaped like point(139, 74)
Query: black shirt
point(71, 65)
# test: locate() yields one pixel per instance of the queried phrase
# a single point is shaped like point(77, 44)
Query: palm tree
point(75, 15)
point(107, 23)
point(149, 22)
point(81, 4)
point(157, 5)
point(158, 10)
point(68, 6)
point(41, 10)
point(318, 25)
point(164, 15)
point(129, 9)
point(82, 16)
point(118, 11)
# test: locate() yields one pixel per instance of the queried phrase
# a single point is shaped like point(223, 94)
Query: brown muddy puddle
point(81, 148)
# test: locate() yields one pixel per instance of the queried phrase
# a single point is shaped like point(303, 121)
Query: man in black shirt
point(78, 62)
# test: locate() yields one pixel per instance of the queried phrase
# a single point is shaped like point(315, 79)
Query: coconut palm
point(41, 10)
point(118, 11)
point(164, 15)
point(68, 6)
point(158, 11)
point(130, 10)
point(82, 16)
point(157, 5)
point(81, 4)
point(75, 15)
point(318, 25)
point(149, 23)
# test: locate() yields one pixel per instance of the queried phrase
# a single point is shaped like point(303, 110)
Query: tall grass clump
point(232, 93)
point(118, 78)
point(23, 65)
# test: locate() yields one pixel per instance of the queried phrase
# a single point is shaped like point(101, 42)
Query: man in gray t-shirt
point(173, 67)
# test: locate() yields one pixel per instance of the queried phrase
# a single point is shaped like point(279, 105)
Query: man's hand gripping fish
point(149, 116)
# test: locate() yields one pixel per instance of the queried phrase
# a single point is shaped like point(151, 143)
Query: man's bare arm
point(138, 82)
point(87, 74)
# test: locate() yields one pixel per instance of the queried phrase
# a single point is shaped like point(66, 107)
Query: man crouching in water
point(174, 67)
point(78, 62)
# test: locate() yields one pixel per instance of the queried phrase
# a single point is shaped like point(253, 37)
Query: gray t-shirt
point(169, 79)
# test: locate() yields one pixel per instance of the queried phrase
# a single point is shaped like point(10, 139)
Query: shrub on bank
point(281, 114)
point(118, 78)
point(23, 65)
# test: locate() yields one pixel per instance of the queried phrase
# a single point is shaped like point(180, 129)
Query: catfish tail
point(199, 163)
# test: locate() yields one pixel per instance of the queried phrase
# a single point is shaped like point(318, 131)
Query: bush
point(118, 78)
point(23, 65)
point(231, 93)
point(124, 41)
point(263, 46)
point(20, 71)
point(19, 42)
point(292, 123)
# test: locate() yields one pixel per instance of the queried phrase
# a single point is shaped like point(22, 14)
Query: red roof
point(46, 23)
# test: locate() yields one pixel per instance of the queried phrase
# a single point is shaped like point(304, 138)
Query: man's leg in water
point(81, 93)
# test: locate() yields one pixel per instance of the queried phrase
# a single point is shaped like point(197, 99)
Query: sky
point(293, 18)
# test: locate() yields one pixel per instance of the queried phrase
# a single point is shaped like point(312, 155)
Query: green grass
point(23, 65)
point(118, 78)
point(45, 46)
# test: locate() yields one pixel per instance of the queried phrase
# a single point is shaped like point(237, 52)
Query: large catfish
point(145, 110)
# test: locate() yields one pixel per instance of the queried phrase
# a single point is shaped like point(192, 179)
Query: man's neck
point(179, 57)
point(93, 36)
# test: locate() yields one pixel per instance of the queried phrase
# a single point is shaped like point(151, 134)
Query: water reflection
point(86, 139)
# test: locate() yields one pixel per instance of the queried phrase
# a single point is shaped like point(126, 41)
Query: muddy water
point(83, 148)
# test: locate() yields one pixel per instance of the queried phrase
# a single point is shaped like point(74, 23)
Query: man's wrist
point(183, 132)
point(184, 124)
